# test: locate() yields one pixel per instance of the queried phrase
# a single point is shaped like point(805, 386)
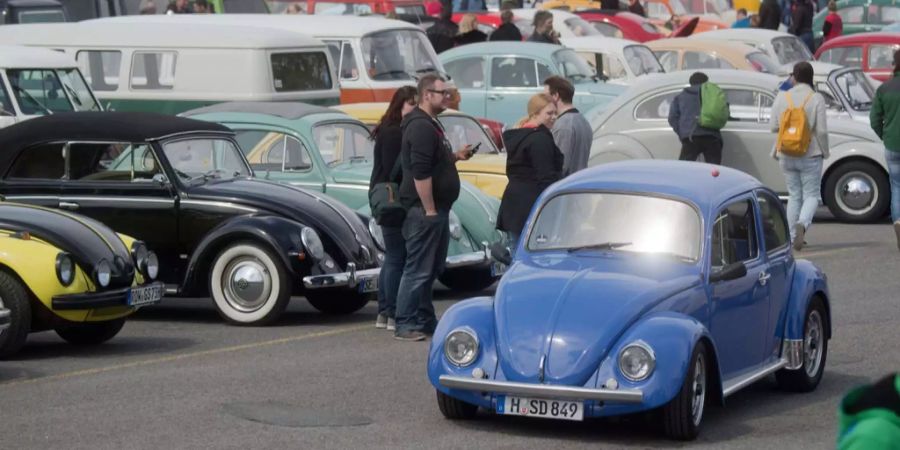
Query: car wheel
point(455, 409)
point(815, 352)
point(467, 279)
point(682, 416)
point(249, 285)
point(338, 301)
point(91, 333)
point(857, 192)
point(14, 298)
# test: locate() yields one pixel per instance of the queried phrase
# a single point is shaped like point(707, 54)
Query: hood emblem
point(541, 368)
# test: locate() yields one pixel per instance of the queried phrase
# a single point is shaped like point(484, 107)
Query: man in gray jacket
point(683, 116)
point(571, 132)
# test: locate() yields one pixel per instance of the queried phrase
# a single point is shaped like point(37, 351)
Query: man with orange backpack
point(798, 117)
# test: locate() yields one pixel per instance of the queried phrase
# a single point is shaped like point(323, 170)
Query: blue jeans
point(391, 270)
point(893, 163)
point(427, 239)
point(804, 185)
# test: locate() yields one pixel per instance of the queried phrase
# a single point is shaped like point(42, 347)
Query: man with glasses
point(430, 186)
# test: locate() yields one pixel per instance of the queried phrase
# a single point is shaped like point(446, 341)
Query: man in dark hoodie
point(683, 116)
point(443, 31)
point(430, 186)
point(769, 15)
point(801, 22)
point(507, 31)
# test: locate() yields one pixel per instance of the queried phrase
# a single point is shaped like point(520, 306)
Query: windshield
point(641, 60)
point(678, 7)
point(398, 55)
point(762, 63)
point(464, 130)
point(790, 49)
point(857, 89)
point(46, 91)
point(581, 27)
point(343, 143)
point(205, 158)
point(572, 66)
point(634, 223)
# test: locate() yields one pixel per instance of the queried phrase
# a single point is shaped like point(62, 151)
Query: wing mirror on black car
point(732, 271)
point(160, 179)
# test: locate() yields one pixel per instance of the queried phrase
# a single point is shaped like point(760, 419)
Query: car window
point(272, 151)
point(857, 89)
point(201, 157)
point(843, 56)
point(882, 56)
point(703, 60)
point(100, 68)
point(40, 162)
point(464, 130)
point(343, 143)
point(514, 72)
point(774, 224)
point(762, 63)
point(580, 27)
point(5, 103)
point(747, 105)
point(608, 67)
point(342, 8)
point(886, 15)
point(608, 29)
point(790, 49)
point(342, 55)
point(570, 65)
point(38, 91)
point(300, 71)
point(668, 59)
point(112, 162)
point(656, 107)
point(641, 60)
point(153, 70)
point(853, 14)
point(734, 235)
point(467, 73)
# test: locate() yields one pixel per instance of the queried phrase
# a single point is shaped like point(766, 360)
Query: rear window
point(300, 71)
point(763, 63)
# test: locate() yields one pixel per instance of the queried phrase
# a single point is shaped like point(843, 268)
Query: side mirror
point(732, 271)
point(500, 253)
point(160, 179)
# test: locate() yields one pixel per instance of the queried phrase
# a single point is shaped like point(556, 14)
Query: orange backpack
point(794, 134)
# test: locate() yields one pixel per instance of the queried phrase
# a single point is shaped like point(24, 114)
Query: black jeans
point(427, 239)
point(708, 146)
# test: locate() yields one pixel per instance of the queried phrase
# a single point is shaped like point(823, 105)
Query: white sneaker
point(381, 321)
point(391, 325)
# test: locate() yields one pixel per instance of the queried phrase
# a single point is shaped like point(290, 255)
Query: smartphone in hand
point(475, 148)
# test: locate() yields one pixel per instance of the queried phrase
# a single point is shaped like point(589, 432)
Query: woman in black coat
point(533, 162)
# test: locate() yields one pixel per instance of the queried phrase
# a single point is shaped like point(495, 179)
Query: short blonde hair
point(536, 104)
point(468, 23)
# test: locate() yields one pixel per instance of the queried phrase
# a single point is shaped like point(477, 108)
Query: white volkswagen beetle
point(615, 60)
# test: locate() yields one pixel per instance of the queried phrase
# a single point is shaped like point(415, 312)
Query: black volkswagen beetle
point(183, 187)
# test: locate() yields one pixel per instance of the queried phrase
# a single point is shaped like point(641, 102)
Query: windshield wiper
point(214, 173)
point(599, 246)
point(30, 97)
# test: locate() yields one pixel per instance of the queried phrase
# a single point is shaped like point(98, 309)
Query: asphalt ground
point(178, 377)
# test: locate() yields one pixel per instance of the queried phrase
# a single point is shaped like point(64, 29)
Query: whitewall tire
point(249, 285)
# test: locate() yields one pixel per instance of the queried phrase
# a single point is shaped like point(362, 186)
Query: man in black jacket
point(430, 186)
point(443, 31)
point(507, 31)
point(801, 22)
point(769, 15)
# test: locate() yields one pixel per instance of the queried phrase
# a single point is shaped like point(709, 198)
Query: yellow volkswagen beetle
point(486, 170)
point(64, 272)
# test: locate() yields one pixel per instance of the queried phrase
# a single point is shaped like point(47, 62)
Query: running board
point(733, 386)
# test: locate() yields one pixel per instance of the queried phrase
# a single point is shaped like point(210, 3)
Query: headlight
point(104, 273)
point(151, 268)
point(455, 226)
point(139, 255)
point(65, 268)
point(461, 347)
point(637, 361)
point(312, 243)
point(375, 231)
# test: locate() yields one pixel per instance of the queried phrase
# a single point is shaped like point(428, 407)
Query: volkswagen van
point(169, 68)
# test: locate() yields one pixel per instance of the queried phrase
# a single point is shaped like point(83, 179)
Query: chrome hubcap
point(246, 284)
point(698, 390)
point(812, 344)
point(856, 192)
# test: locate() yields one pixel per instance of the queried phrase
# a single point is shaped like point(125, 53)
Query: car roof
point(284, 110)
point(743, 34)
point(719, 76)
point(595, 43)
point(18, 56)
point(533, 49)
point(700, 44)
point(686, 180)
point(862, 38)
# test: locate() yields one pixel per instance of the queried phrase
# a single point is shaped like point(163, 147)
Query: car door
point(739, 308)
point(35, 175)
point(276, 155)
point(779, 263)
point(469, 76)
point(514, 79)
point(748, 139)
point(122, 185)
point(651, 124)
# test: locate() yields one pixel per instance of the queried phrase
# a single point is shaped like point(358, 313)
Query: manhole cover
point(285, 415)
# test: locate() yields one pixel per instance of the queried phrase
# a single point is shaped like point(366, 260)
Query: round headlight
point(455, 226)
point(151, 266)
point(65, 269)
point(104, 273)
point(461, 347)
point(637, 361)
point(312, 243)
point(139, 254)
point(375, 231)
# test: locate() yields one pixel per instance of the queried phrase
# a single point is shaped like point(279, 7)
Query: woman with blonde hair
point(533, 162)
point(468, 31)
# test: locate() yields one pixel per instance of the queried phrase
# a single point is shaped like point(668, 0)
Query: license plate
point(536, 407)
point(144, 295)
point(497, 269)
point(368, 285)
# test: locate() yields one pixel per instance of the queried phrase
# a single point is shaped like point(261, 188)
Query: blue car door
point(514, 79)
point(779, 266)
point(469, 74)
point(739, 308)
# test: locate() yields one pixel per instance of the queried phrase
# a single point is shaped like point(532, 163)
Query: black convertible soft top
point(97, 126)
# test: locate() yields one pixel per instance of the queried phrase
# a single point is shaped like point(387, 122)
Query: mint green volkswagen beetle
point(328, 151)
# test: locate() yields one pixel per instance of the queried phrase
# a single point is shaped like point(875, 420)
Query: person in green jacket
point(870, 416)
point(885, 120)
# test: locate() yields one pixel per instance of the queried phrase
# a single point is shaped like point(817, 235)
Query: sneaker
point(897, 233)
point(381, 321)
point(410, 336)
point(801, 233)
point(391, 325)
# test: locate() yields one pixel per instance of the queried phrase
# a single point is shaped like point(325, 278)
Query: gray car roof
point(285, 110)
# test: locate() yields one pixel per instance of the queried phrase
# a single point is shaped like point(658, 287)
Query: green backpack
point(713, 107)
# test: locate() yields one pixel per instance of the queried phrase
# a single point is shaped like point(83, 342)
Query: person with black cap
point(684, 117)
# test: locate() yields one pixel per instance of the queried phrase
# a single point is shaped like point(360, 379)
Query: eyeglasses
point(444, 92)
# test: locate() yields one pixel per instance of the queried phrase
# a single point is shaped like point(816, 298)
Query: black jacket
point(533, 162)
point(387, 148)
point(506, 32)
point(769, 15)
point(441, 35)
point(425, 153)
point(801, 18)
point(472, 37)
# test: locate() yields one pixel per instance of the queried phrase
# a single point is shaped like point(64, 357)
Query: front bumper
point(4, 319)
point(100, 299)
point(350, 278)
point(468, 259)
point(542, 390)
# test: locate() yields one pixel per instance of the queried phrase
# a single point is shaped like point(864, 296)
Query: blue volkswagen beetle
point(637, 286)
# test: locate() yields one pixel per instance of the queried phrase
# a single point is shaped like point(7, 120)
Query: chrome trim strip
point(792, 353)
point(350, 278)
point(218, 204)
point(542, 390)
point(117, 199)
point(467, 259)
point(349, 186)
point(733, 386)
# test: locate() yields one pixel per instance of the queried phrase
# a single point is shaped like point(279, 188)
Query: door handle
point(764, 278)
point(495, 97)
point(68, 205)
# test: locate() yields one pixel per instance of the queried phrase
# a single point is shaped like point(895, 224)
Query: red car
point(872, 52)
point(623, 25)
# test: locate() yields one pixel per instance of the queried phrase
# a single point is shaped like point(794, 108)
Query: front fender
point(808, 281)
point(616, 147)
point(855, 149)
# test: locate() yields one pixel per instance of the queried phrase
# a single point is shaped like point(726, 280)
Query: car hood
point(571, 310)
point(325, 214)
point(86, 240)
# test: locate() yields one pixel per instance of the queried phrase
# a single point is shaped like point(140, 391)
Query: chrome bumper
point(350, 278)
point(542, 390)
point(4, 319)
point(468, 259)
